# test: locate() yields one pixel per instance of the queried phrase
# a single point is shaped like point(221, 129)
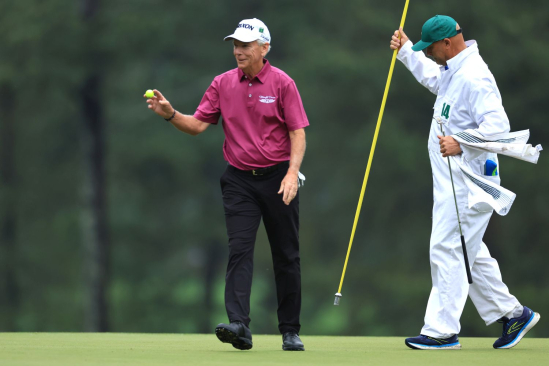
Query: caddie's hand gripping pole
point(338, 294)
point(465, 256)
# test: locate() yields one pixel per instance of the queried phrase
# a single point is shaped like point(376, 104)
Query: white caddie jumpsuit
point(467, 98)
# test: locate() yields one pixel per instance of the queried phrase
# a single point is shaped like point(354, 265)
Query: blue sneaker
point(426, 342)
point(516, 328)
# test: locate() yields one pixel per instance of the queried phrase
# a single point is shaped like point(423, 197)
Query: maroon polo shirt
point(257, 115)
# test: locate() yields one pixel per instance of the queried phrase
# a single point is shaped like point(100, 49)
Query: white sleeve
point(426, 71)
point(486, 108)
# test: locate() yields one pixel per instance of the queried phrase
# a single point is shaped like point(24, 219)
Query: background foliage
point(165, 217)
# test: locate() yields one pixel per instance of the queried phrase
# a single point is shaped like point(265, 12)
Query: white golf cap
point(250, 30)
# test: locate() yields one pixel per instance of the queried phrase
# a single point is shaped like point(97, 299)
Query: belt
point(263, 171)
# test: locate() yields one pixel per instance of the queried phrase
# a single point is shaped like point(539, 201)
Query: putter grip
point(467, 268)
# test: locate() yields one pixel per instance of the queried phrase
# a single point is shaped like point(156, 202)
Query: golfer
point(263, 121)
point(467, 98)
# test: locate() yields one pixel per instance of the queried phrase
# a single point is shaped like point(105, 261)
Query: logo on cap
point(246, 26)
point(261, 30)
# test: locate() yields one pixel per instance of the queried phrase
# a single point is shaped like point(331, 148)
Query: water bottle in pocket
point(491, 168)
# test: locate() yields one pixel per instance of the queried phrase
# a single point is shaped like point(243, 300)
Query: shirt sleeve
point(486, 108)
point(209, 110)
point(426, 71)
point(292, 106)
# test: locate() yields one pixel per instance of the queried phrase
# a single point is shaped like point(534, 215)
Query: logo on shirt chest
point(266, 99)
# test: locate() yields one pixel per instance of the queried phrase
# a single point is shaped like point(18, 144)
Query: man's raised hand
point(160, 105)
point(397, 43)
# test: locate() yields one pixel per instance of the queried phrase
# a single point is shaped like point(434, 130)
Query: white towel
point(483, 193)
point(512, 144)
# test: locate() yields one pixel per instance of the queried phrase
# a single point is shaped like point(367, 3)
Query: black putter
point(469, 278)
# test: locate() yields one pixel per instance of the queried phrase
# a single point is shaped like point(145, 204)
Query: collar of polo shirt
point(262, 76)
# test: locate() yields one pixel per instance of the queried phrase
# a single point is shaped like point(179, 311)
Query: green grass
point(199, 349)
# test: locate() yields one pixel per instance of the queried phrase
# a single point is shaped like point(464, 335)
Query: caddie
point(467, 99)
point(263, 121)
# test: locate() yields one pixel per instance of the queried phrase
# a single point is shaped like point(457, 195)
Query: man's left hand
point(448, 146)
point(288, 187)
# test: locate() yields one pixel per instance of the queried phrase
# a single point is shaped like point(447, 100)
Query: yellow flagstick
point(338, 294)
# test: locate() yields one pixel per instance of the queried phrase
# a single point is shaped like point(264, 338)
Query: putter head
point(441, 123)
point(337, 298)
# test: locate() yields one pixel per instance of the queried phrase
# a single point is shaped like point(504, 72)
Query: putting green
point(200, 349)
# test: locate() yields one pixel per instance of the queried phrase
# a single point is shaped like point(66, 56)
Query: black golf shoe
point(236, 333)
point(291, 342)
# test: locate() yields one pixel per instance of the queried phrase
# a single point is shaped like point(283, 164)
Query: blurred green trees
point(165, 217)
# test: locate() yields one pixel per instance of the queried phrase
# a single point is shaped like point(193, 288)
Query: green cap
point(435, 29)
